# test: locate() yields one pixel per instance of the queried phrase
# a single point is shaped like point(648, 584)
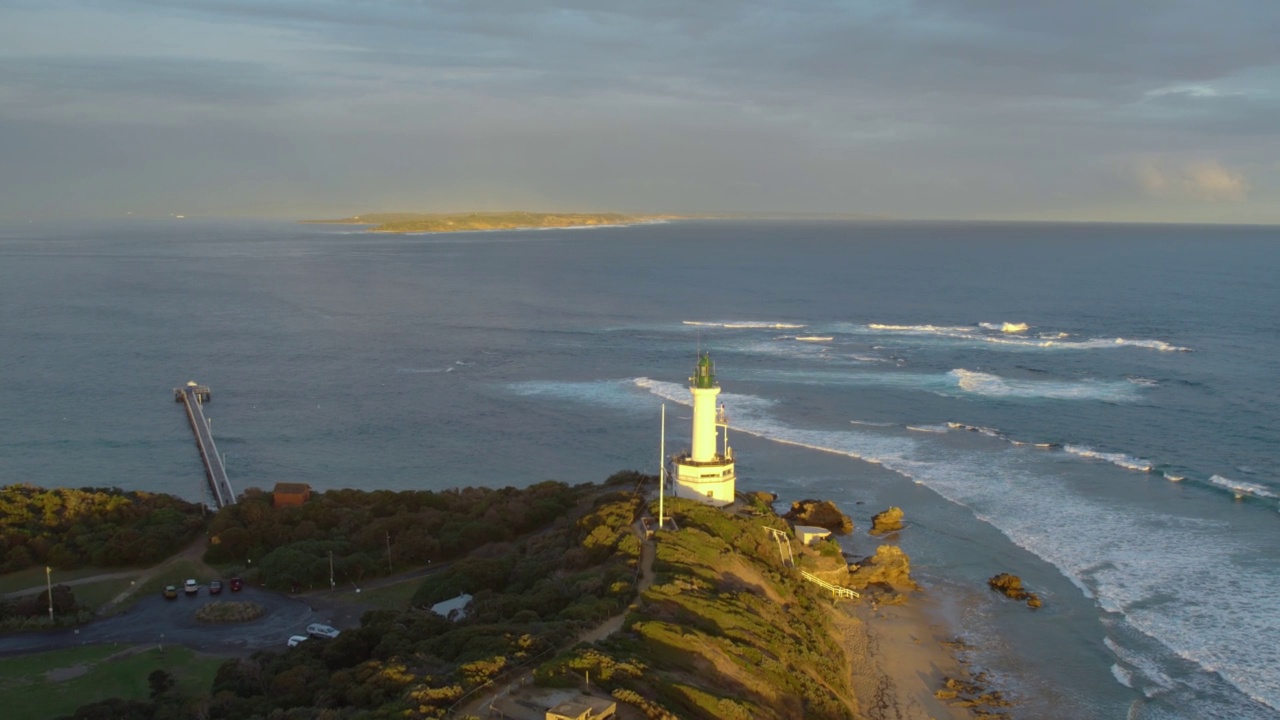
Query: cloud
point(1208, 181)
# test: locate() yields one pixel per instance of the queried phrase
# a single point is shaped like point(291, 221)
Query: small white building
point(706, 472)
point(453, 608)
point(808, 533)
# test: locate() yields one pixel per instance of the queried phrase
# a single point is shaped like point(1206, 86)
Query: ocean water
point(1092, 407)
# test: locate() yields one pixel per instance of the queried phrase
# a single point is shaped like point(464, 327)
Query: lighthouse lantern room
point(706, 472)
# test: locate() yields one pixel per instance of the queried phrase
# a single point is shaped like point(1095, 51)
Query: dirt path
point(478, 705)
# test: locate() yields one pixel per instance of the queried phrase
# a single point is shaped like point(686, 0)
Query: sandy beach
point(900, 655)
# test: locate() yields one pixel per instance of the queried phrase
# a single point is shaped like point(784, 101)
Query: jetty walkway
point(194, 396)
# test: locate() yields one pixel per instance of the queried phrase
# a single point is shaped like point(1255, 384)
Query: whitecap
point(814, 338)
point(936, 429)
point(922, 329)
point(989, 385)
point(1005, 327)
point(746, 325)
point(1119, 459)
point(1241, 488)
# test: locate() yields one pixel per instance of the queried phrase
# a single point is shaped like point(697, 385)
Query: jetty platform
point(193, 396)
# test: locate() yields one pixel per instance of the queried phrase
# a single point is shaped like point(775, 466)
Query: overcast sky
point(1160, 110)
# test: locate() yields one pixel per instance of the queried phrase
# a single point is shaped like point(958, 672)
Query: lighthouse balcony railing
point(715, 461)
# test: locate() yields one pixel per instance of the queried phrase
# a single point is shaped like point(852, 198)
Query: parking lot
point(156, 619)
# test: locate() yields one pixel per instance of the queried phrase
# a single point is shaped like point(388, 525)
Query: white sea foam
point(746, 325)
point(1008, 340)
point(922, 329)
point(989, 432)
point(615, 394)
point(814, 338)
point(986, 384)
point(1174, 478)
point(936, 429)
point(1005, 327)
point(1143, 382)
point(1241, 488)
point(1121, 675)
point(1119, 459)
point(870, 424)
point(1146, 667)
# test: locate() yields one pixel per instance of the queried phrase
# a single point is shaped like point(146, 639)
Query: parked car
point(191, 587)
point(170, 592)
point(215, 587)
point(293, 641)
point(321, 631)
point(236, 584)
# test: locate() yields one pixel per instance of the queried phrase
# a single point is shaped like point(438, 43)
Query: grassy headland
point(467, 222)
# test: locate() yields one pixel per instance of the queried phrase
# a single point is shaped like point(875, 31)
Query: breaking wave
point(1006, 327)
point(746, 325)
point(1127, 462)
point(1240, 488)
point(989, 385)
point(1003, 339)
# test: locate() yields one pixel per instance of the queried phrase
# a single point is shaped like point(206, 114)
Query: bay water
point(1091, 407)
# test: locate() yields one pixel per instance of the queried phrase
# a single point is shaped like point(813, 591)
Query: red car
point(237, 584)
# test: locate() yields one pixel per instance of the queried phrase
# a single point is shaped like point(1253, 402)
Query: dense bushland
point(104, 527)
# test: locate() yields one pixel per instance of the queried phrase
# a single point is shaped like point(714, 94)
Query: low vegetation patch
point(229, 612)
point(724, 632)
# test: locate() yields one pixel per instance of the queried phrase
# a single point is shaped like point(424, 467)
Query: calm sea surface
point(1121, 452)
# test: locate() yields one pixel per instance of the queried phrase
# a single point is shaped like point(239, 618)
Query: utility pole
point(662, 467)
point(331, 583)
point(48, 579)
point(389, 568)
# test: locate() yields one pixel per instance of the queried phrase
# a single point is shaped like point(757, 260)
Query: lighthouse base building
point(706, 472)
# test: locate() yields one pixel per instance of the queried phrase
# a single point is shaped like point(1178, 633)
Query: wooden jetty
point(193, 396)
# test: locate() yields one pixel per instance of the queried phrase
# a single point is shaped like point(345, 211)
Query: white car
point(191, 587)
point(321, 631)
point(293, 641)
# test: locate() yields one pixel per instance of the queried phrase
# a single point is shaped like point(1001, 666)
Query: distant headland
point(469, 222)
point(520, 220)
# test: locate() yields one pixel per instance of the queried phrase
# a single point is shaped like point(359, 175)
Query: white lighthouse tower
point(706, 472)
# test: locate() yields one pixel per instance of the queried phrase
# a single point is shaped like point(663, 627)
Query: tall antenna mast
point(662, 467)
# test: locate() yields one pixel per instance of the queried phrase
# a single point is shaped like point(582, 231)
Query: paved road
point(152, 618)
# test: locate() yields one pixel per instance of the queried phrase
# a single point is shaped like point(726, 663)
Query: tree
point(160, 682)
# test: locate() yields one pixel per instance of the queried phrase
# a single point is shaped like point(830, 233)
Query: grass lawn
point(108, 671)
point(33, 577)
point(392, 597)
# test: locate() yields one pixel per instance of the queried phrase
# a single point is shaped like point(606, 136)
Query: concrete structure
point(706, 472)
point(193, 395)
point(808, 533)
point(290, 494)
point(587, 708)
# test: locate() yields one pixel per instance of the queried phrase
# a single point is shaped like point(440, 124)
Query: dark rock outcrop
point(822, 513)
point(1011, 587)
point(888, 521)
